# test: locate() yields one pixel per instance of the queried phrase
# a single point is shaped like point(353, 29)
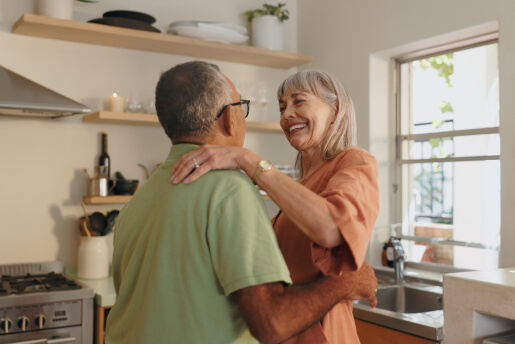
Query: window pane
point(452, 92)
point(446, 147)
point(456, 200)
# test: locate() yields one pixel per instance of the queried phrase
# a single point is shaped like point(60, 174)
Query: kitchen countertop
point(478, 305)
point(105, 294)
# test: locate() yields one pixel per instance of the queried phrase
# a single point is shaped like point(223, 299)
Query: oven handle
point(49, 341)
point(62, 340)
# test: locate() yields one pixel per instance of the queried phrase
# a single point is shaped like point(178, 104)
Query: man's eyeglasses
point(245, 106)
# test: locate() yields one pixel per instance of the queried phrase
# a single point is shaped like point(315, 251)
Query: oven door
point(67, 335)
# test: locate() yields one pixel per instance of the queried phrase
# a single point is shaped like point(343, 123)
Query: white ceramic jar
point(267, 32)
point(93, 258)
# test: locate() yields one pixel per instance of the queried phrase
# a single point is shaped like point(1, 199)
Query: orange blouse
point(349, 185)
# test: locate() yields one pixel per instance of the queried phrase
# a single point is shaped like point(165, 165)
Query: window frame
point(451, 47)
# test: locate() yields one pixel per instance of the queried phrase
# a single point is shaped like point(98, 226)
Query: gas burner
point(31, 283)
point(3, 289)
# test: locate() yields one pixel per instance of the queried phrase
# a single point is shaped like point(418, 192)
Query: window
point(447, 178)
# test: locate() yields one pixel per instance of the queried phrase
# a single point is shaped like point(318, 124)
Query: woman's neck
point(311, 161)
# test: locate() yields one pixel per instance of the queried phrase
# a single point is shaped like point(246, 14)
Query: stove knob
point(40, 320)
point(5, 325)
point(23, 323)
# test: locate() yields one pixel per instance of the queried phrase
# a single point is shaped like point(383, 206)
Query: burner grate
point(31, 283)
point(3, 289)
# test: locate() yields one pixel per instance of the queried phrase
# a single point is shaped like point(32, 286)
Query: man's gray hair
point(188, 98)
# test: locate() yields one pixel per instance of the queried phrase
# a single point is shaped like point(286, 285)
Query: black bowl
point(143, 17)
point(125, 187)
point(125, 23)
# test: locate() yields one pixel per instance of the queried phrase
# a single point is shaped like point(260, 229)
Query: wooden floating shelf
point(123, 118)
point(82, 32)
point(122, 199)
point(265, 127)
point(152, 120)
point(107, 199)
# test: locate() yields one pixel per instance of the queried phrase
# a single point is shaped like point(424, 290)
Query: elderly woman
point(325, 220)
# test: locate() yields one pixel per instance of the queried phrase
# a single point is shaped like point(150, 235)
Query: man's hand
point(363, 284)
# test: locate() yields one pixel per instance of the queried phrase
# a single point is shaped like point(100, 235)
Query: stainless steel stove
point(38, 304)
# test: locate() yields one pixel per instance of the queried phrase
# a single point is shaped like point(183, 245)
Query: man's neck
point(217, 140)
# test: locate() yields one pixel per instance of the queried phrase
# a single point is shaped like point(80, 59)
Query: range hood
point(22, 97)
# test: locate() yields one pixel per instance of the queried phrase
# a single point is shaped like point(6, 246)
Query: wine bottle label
point(389, 254)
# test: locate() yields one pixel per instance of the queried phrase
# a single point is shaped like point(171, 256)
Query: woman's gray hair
point(342, 133)
point(188, 98)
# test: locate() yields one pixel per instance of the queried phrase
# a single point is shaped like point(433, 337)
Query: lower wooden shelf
point(107, 199)
point(121, 199)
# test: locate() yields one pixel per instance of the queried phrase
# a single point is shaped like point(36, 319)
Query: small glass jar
point(93, 258)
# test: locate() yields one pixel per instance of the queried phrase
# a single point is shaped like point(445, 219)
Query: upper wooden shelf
point(75, 31)
point(152, 120)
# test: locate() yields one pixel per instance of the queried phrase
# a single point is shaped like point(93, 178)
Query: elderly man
point(199, 263)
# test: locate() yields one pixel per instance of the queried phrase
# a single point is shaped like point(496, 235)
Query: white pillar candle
point(116, 103)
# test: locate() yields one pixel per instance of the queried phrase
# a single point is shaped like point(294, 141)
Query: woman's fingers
point(194, 164)
point(184, 167)
point(197, 173)
point(372, 302)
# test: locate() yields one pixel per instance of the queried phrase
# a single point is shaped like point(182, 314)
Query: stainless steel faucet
point(398, 261)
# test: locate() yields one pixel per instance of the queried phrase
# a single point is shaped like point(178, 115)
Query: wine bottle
point(104, 159)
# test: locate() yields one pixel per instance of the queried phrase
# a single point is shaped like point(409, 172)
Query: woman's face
point(305, 119)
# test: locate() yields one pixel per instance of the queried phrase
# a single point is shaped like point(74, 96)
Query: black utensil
point(119, 176)
point(98, 222)
point(111, 220)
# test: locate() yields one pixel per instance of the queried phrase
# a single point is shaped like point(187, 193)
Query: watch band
point(262, 166)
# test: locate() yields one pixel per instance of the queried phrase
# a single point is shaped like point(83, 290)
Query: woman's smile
point(294, 127)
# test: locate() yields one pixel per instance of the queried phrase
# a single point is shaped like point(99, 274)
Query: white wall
point(355, 39)
point(41, 178)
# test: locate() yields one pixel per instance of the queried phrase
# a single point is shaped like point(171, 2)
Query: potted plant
point(267, 26)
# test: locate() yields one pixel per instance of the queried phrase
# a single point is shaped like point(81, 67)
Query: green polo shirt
point(179, 253)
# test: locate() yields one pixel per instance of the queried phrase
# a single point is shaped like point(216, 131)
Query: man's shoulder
point(232, 177)
point(232, 183)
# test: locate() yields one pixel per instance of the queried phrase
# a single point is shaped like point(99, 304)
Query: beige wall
point(355, 39)
point(41, 160)
point(41, 182)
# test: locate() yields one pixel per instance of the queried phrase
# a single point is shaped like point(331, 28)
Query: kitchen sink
point(414, 306)
point(405, 299)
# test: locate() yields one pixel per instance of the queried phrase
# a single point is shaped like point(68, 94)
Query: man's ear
point(229, 121)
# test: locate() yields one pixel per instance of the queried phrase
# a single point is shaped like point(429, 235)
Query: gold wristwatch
point(262, 166)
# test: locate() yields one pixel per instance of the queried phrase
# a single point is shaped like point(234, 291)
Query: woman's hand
point(207, 157)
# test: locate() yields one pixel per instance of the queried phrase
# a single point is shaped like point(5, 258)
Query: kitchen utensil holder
point(93, 258)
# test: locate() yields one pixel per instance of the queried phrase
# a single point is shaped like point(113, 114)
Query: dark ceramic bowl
point(125, 187)
point(143, 17)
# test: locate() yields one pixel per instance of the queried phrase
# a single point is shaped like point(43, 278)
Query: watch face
point(266, 165)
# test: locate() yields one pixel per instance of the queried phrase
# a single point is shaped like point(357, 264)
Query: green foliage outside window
point(430, 181)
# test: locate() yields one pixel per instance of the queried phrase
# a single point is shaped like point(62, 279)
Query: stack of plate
point(127, 19)
point(210, 31)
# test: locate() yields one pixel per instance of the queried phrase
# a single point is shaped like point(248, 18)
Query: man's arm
point(275, 313)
